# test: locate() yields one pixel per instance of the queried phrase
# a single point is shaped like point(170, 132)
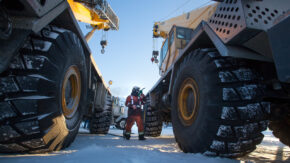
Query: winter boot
point(127, 135)
point(141, 137)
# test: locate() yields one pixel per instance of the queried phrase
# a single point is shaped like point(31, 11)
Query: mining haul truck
point(119, 113)
point(48, 78)
point(225, 77)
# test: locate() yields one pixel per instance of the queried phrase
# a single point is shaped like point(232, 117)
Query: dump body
point(178, 32)
point(188, 20)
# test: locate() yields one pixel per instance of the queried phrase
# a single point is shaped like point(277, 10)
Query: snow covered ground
point(270, 150)
point(113, 148)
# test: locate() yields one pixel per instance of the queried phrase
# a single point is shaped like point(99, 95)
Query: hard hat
point(136, 88)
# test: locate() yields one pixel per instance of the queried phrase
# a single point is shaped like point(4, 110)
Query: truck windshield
point(183, 33)
point(164, 50)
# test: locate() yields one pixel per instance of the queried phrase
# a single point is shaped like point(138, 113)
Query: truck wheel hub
point(71, 91)
point(188, 101)
point(123, 124)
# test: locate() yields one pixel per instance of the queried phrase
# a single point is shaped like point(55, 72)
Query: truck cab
point(171, 48)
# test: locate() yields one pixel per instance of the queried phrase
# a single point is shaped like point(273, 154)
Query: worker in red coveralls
point(134, 103)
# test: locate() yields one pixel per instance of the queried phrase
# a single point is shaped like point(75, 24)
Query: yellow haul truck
point(225, 77)
point(48, 78)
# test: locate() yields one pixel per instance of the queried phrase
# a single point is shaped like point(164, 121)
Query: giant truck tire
point(217, 108)
point(152, 121)
point(281, 130)
point(101, 119)
point(43, 93)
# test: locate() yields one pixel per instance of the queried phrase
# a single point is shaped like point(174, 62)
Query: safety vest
point(132, 100)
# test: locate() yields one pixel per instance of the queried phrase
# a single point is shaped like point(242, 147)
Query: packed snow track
point(113, 148)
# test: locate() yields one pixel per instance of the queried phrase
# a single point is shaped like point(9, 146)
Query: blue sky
point(127, 58)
